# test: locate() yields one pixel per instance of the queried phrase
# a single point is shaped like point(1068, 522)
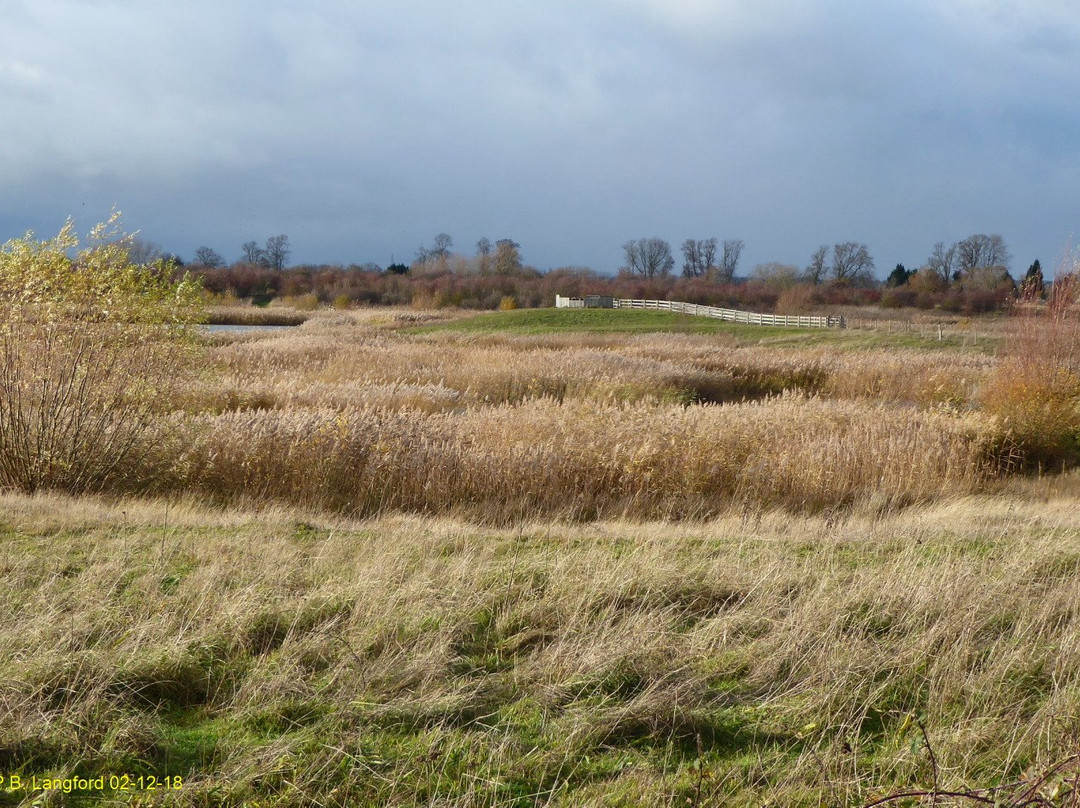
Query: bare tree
point(851, 262)
point(777, 275)
point(733, 248)
point(648, 257)
point(708, 253)
point(483, 255)
point(989, 278)
point(815, 270)
point(699, 257)
point(437, 253)
point(204, 256)
point(692, 267)
point(981, 250)
point(277, 251)
point(942, 262)
point(252, 252)
point(141, 252)
point(440, 247)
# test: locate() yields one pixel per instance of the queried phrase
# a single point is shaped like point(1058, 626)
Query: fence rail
point(727, 315)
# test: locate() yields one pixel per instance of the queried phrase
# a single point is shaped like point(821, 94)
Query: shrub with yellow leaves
point(90, 343)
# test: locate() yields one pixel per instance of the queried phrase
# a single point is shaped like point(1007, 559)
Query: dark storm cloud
point(363, 130)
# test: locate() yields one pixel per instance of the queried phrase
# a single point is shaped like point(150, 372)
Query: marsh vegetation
point(399, 557)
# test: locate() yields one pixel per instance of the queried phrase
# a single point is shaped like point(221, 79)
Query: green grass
point(554, 321)
point(401, 661)
point(533, 322)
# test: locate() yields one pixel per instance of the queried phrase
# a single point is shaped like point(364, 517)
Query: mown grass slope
point(638, 321)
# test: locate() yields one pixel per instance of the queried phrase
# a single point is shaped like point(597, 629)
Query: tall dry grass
point(1036, 389)
point(350, 414)
point(586, 460)
point(344, 365)
point(360, 418)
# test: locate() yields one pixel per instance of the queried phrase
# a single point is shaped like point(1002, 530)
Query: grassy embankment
point(738, 567)
point(880, 332)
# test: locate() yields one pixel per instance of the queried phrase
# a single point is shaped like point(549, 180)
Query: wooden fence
point(727, 315)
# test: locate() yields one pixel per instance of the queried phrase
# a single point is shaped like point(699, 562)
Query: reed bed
point(332, 368)
point(361, 418)
point(923, 378)
point(255, 315)
point(354, 415)
point(589, 460)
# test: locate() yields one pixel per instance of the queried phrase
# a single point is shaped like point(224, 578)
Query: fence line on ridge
point(727, 315)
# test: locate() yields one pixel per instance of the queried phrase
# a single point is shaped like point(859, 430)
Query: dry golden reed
point(334, 366)
point(350, 415)
point(346, 412)
point(1036, 389)
point(584, 459)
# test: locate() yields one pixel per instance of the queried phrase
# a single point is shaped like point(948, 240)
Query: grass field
point(906, 334)
point(513, 559)
point(546, 321)
point(283, 659)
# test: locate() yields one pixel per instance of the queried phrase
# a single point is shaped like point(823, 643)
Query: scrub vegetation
point(401, 557)
point(91, 345)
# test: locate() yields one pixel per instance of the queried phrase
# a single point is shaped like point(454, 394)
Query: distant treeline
point(530, 288)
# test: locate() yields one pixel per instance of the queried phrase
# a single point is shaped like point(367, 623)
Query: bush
point(983, 301)
point(799, 299)
point(89, 347)
point(898, 297)
point(1036, 391)
point(302, 302)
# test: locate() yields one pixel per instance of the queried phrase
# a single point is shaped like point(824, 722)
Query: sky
point(362, 130)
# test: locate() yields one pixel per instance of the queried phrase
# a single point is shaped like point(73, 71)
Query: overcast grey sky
point(363, 129)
